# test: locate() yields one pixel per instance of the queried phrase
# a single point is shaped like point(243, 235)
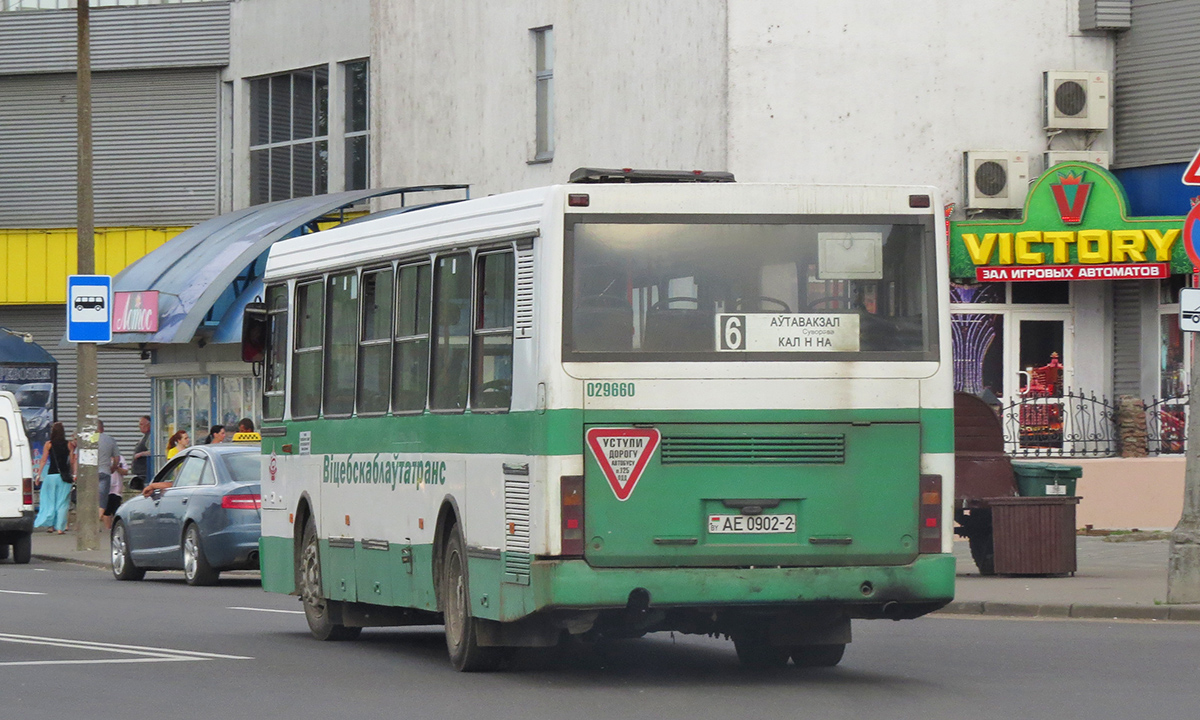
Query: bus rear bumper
point(878, 591)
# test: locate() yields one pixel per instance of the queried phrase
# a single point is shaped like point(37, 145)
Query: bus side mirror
point(254, 332)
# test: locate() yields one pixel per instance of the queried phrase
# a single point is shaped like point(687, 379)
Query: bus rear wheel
point(462, 640)
point(818, 655)
point(754, 650)
point(316, 607)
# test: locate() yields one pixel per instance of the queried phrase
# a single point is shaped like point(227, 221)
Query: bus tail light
point(242, 502)
point(27, 492)
point(572, 515)
point(930, 532)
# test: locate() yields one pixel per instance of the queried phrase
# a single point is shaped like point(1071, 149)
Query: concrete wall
point(865, 91)
point(636, 85)
point(1121, 494)
point(1092, 350)
point(273, 36)
point(856, 91)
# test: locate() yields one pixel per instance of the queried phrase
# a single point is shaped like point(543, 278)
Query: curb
point(71, 560)
point(1074, 611)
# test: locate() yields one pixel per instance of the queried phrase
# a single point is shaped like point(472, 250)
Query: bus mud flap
point(531, 631)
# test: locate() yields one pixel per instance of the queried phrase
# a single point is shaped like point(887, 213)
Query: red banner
point(1042, 273)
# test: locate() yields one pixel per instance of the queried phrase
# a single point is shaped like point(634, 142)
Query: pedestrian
point(57, 474)
point(245, 425)
point(178, 441)
point(216, 434)
point(115, 493)
point(108, 457)
point(141, 456)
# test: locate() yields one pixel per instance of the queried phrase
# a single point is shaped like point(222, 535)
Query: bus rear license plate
point(751, 524)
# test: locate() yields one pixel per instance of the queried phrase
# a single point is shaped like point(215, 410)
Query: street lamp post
point(1183, 564)
point(87, 479)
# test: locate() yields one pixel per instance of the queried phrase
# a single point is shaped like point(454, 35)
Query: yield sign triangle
point(1191, 176)
point(622, 454)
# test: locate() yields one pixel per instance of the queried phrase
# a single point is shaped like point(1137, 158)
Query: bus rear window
point(781, 291)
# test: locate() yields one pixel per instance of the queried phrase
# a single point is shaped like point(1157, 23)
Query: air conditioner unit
point(995, 180)
point(1075, 100)
point(1055, 157)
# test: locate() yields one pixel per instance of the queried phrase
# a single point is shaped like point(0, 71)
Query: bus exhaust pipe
point(891, 610)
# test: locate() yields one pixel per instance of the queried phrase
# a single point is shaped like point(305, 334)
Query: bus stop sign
point(89, 308)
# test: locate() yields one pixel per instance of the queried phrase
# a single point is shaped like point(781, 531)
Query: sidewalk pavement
point(1115, 580)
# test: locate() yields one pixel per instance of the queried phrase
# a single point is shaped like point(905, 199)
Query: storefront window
point(1173, 373)
point(166, 411)
point(183, 407)
point(1041, 293)
point(975, 293)
point(978, 341)
point(238, 399)
point(202, 403)
point(1168, 289)
point(196, 404)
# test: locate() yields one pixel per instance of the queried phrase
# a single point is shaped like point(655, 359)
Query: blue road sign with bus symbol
point(89, 303)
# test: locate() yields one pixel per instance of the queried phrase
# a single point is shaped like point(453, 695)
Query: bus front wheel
point(462, 639)
point(316, 607)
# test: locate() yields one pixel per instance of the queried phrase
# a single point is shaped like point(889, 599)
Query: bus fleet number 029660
point(610, 389)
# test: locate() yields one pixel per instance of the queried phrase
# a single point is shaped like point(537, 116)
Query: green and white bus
point(604, 409)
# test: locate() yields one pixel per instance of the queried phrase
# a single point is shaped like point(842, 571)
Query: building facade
point(156, 153)
point(201, 108)
point(978, 99)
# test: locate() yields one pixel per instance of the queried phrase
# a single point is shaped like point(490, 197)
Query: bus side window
point(306, 357)
point(341, 343)
point(274, 378)
point(410, 372)
point(491, 372)
point(450, 371)
point(374, 351)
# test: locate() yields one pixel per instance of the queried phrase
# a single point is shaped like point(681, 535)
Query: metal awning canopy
point(192, 269)
point(15, 350)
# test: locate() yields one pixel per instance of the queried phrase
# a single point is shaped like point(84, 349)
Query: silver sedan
point(208, 521)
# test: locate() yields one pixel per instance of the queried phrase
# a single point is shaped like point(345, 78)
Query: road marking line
point(92, 645)
point(20, 592)
point(270, 610)
point(110, 661)
point(147, 654)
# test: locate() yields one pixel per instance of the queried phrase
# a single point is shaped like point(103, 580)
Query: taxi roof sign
point(247, 437)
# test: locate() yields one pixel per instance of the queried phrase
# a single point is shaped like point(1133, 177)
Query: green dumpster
point(1040, 479)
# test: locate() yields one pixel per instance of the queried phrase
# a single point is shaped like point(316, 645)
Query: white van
point(16, 482)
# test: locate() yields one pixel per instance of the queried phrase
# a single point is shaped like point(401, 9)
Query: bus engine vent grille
point(524, 297)
point(801, 450)
point(516, 529)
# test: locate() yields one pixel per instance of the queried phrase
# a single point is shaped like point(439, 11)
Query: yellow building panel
point(36, 261)
point(34, 264)
point(135, 242)
point(16, 280)
point(61, 251)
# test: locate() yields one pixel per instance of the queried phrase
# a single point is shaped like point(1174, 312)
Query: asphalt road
point(76, 643)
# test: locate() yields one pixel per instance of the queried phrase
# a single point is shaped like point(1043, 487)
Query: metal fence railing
point(1166, 425)
point(1073, 424)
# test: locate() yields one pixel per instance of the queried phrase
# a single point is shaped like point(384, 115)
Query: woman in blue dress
point(55, 481)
